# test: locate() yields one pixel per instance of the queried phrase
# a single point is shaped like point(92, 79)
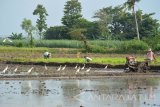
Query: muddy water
point(109, 92)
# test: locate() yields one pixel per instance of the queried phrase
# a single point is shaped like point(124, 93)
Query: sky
point(12, 12)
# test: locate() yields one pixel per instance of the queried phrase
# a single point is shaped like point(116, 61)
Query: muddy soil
point(68, 70)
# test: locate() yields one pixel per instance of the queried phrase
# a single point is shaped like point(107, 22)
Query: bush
point(96, 49)
point(59, 43)
point(134, 46)
point(157, 47)
point(20, 44)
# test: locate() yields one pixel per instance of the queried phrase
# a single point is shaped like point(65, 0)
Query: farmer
point(87, 59)
point(47, 55)
point(150, 55)
point(130, 60)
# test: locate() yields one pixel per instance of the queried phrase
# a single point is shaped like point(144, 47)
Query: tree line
point(121, 22)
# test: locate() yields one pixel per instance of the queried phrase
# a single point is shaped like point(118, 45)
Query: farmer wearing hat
point(47, 55)
point(150, 55)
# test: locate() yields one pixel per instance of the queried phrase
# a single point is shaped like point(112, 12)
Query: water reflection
point(113, 92)
point(26, 87)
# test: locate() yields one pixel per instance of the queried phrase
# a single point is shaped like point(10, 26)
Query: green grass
point(113, 61)
point(9, 49)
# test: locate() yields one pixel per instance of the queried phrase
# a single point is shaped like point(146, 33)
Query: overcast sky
point(12, 12)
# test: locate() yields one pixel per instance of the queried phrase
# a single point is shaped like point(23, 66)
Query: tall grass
point(59, 44)
point(9, 49)
point(96, 46)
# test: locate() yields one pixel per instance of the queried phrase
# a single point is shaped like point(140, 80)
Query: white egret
point(76, 66)
point(5, 69)
point(59, 68)
point(88, 69)
point(45, 67)
point(83, 67)
point(64, 67)
point(78, 69)
point(15, 70)
point(106, 67)
point(29, 71)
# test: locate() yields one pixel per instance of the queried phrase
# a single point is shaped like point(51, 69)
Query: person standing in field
point(150, 55)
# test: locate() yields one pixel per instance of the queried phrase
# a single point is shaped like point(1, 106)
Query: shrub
point(96, 49)
point(20, 44)
point(134, 46)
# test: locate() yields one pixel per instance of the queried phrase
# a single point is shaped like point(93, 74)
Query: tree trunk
point(137, 30)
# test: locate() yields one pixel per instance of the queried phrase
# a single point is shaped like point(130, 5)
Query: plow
point(133, 66)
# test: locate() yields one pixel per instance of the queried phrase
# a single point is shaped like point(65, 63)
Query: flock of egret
point(77, 69)
point(60, 68)
point(15, 70)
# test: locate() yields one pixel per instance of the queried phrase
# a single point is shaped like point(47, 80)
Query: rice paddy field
point(66, 80)
point(64, 55)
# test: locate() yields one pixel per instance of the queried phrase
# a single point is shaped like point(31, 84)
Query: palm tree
point(130, 4)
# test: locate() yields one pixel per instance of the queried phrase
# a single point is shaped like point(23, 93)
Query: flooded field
point(108, 92)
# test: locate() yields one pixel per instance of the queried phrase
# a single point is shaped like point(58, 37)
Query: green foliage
point(153, 42)
point(157, 47)
point(104, 20)
point(130, 4)
point(29, 29)
point(92, 30)
point(134, 46)
point(27, 26)
point(20, 44)
point(59, 44)
point(17, 36)
point(96, 46)
point(96, 49)
point(149, 27)
point(72, 13)
point(42, 13)
point(57, 32)
point(118, 24)
point(78, 35)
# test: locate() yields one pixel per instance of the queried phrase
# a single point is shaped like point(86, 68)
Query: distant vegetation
point(119, 29)
point(95, 46)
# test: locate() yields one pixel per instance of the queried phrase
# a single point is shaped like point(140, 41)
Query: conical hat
point(149, 49)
